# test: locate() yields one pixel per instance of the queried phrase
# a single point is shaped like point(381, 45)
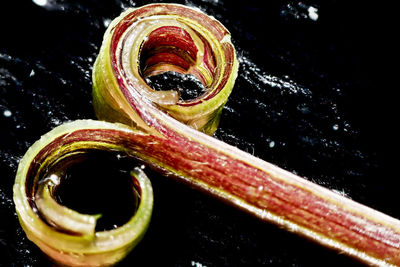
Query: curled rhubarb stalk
point(155, 39)
point(64, 235)
point(170, 135)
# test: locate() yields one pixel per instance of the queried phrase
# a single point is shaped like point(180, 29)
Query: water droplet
point(271, 144)
point(7, 113)
point(312, 13)
point(40, 2)
point(106, 22)
point(197, 264)
point(335, 127)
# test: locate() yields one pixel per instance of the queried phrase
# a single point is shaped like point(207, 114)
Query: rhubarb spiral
point(170, 135)
point(155, 39)
point(66, 236)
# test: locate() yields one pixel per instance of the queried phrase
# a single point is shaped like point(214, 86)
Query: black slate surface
point(309, 98)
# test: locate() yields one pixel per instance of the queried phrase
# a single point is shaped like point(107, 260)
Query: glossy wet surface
point(309, 98)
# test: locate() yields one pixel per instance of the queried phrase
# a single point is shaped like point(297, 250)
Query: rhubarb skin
point(203, 48)
point(260, 188)
point(263, 190)
point(66, 246)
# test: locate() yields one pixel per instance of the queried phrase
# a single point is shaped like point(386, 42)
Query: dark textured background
point(309, 98)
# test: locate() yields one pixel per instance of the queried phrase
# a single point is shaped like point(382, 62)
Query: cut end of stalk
point(60, 217)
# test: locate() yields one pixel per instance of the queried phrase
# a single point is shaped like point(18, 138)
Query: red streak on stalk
point(208, 57)
point(169, 58)
point(167, 35)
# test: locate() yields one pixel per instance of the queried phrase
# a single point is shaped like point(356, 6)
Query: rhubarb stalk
point(170, 134)
point(66, 236)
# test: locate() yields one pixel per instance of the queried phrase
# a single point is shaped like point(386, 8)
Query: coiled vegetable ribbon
point(168, 134)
